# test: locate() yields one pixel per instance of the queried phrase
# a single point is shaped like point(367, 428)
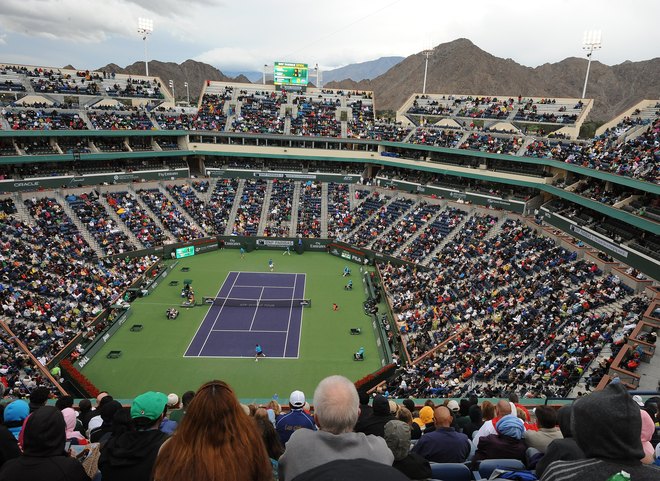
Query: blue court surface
point(234, 330)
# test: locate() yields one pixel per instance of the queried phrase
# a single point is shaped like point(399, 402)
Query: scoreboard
point(289, 73)
point(185, 252)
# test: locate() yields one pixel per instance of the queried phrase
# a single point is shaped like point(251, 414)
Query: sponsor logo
point(346, 255)
point(458, 195)
point(26, 184)
point(274, 243)
point(316, 245)
point(77, 179)
point(83, 360)
point(499, 202)
point(105, 337)
point(348, 178)
point(421, 189)
point(174, 173)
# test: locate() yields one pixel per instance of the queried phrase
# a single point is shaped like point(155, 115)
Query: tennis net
point(237, 302)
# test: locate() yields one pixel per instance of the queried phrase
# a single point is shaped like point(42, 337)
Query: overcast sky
point(246, 34)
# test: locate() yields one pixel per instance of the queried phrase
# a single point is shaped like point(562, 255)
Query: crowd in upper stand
point(248, 214)
point(266, 111)
point(278, 222)
point(309, 209)
point(136, 219)
point(110, 237)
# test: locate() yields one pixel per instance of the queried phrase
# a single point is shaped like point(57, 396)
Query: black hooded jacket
point(131, 455)
point(375, 424)
point(44, 457)
point(561, 449)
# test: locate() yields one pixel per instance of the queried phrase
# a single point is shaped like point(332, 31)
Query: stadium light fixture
point(145, 28)
point(264, 73)
point(171, 84)
point(185, 84)
point(427, 54)
point(318, 75)
point(591, 42)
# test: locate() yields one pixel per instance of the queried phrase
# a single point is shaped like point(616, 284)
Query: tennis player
point(258, 352)
point(271, 265)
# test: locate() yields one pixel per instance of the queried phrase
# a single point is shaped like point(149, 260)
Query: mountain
point(361, 71)
point(191, 71)
point(460, 67)
point(252, 76)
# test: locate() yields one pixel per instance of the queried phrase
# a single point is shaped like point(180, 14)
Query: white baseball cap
point(297, 399)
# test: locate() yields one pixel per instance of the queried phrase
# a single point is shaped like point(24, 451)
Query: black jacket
point(131, 455)
point(44, 457)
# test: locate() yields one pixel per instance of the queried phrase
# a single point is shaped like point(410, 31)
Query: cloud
point(92, 20)
point(3, 39)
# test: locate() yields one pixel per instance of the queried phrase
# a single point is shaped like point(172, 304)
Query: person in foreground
point(606, 426)
point(215, 440)
point(336, 409)
point(43, 455)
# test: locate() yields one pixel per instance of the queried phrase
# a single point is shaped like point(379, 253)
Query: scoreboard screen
point(289, 73)
point(185, 252)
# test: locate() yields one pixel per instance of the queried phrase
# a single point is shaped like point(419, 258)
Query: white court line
point(256, 309)
point(241, 330)
point(270, 287)
point(202, 323)
point(302, 310)
point(217, 317)
point(288, 324)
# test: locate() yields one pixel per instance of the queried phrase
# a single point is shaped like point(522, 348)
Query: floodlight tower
point(427, 54)
point(318, 76)
point(591, 42)
point(185, 84)
point(145, 28)
point(264, 73)
point(171, 84)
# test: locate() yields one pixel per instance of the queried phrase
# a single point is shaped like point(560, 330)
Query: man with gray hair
point(336, 410)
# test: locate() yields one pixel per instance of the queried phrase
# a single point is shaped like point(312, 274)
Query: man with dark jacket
point(43, 455)
point(444, 444)
point(131, 455)
point(375, 424)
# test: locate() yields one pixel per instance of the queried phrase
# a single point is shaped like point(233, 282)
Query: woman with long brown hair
point(215, 441)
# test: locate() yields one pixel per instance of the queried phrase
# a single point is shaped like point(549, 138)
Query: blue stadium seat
point(451, 472)
point(487, 466)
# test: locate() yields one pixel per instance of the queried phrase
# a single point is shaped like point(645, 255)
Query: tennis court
point(252, 308)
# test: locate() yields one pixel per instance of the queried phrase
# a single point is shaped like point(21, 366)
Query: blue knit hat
point(511, 426)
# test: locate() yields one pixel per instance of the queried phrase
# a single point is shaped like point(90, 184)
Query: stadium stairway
point(606, 352)
point(420, 229)
point(234, 208)
point(366, 221)
point(4, 125)
point(523, 148)
point(103, 200)
point(263, 221)
point(324, 210)
point(78, 223)
point(394, 224)
point(21, 211)
point(179, 207)
point(295, 205)
point(497, 228)
point(452, 234)
point(138, 200)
